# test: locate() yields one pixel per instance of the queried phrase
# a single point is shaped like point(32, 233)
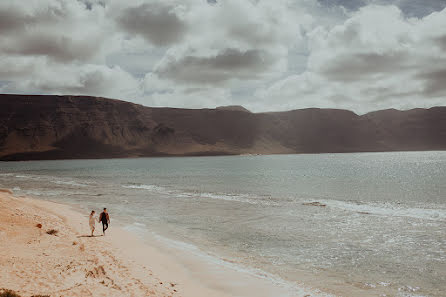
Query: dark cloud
point(420, 8)
point(441, 42)
point(417, 8)
point(228, 64)
point(435, 82)
point(11, 20)
point(14, 20)
point(156, 22)
point(89, 83)
point(53, 31)
point(89, 4)
point(383, 94)
point(349, 4)
point(252, 34)
point(351, 67)
point(61, 48)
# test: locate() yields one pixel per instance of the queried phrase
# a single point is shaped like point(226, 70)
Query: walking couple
point(103, 217)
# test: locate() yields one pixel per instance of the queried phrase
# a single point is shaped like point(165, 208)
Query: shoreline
point(211, 155)
point(71, 263)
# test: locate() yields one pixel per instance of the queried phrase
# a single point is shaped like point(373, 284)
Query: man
point(105, 219)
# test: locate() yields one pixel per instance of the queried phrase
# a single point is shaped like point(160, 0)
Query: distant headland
point(34, 127)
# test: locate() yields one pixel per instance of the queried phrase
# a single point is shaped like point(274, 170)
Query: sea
point(359, 222)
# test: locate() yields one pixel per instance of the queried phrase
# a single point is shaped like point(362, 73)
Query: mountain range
point(36, 127)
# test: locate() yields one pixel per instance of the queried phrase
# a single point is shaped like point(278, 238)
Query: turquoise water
point(383, 226)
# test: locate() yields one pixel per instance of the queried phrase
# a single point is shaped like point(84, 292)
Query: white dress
point(92, 222)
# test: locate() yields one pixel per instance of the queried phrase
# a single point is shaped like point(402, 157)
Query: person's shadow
point(89, 236)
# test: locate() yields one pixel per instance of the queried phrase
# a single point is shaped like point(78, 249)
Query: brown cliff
point(67, 127)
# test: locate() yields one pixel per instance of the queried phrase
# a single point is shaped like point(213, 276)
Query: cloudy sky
point(266, 55)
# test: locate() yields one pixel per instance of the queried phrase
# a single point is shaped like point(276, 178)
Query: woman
point(92, 222)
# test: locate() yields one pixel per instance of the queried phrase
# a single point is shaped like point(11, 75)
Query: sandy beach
point(71, 263)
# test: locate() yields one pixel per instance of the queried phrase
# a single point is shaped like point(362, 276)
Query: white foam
point(34, 193)
point(139, 224)
point(243, 198)
point(384, 284)
point(52, 179)
point(69, 183)
point(389, 209)
point(408, 291)
point(153, 188)
point(23, 176)
point(50, 193)
point(227, 197)
point(34, 177)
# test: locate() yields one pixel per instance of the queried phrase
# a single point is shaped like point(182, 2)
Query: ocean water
point(381, 229)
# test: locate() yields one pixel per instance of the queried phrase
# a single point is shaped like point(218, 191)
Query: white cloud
point(86, 79)
point(266, 55)
point(61, 30)
point(59, 47)
point(188, 98)
point(253, 45)
point(376, 59)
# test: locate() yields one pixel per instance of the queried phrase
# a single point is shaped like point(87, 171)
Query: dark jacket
point(104, 218)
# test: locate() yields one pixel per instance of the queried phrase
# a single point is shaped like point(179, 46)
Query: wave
point(26, 176)
point(50, 193)
point(39, 193)
point(34, 177)
point(69, 183)
point(145, 187)
point(52, 179)
point(389, 209)
point(243, 198)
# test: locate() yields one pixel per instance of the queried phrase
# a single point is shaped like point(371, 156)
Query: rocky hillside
point(61, 127)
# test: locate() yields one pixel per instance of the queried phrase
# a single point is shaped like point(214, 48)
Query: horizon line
point(231, 105)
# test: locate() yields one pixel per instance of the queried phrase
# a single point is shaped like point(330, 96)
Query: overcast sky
point(266, 55)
